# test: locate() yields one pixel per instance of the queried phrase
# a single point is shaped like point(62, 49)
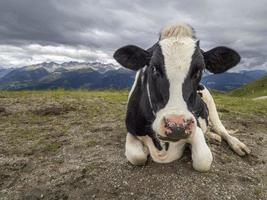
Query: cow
point(167, 106)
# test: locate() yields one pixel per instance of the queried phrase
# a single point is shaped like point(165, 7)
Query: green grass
point(230, 101)
point(110, 94)
point(238, 101)
point(240, 105)
point(254, 89)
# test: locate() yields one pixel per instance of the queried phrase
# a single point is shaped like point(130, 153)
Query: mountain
point(4, 71)
point(69, 75)
point(96, 75)
point(228, 81)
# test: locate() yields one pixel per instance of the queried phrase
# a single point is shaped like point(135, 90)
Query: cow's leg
point(208, 134)
point(239, 147)
point(201, 154)
point(135, 152)
point(174, 152)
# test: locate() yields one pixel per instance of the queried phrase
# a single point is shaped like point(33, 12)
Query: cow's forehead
point(177, 53)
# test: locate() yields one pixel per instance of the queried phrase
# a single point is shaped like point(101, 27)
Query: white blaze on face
point(177, 53)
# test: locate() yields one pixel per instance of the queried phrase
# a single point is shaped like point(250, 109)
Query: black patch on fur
point(191, 85)
point(156, 142)
point(157, 80)
point(200, 87)
point(139, 116)
point(167, 144)
point(200, 94)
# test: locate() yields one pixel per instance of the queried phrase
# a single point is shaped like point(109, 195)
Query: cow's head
point(173, 70)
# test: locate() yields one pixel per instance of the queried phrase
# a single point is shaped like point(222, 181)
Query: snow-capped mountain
point(96, 75)
point(71, 66)
point(93, 75)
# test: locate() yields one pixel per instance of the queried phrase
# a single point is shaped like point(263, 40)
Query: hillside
point(70, 145)
point(254, 89)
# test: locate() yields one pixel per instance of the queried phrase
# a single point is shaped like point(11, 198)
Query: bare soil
point(72, 147)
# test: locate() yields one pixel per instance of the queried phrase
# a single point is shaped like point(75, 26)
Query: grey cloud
point(104, 25)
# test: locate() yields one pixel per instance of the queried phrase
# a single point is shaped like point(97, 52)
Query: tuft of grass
point(258, 191)
point(52, 147)
point(91, 143)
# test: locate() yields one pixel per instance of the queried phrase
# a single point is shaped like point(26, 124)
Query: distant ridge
point(69, 75)
point(230, 81)
point(96, 75)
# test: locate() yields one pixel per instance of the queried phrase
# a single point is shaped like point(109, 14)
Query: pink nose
point(175, 125)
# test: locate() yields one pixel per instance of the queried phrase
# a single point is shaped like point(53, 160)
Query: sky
point(35, 31)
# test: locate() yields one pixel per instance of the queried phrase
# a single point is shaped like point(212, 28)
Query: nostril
point(190, 121)
point(166, 121)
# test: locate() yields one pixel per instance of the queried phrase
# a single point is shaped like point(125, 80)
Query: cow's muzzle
point(176, 127)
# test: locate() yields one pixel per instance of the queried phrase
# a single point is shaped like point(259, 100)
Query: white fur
point(177, 54)
point(174, 152)
point(203, 124)
point(239, 147)
point(201, 154)
point(149, 98)
point(213, 114)
point(135, 82)
point(176, 30)
point(135, 152)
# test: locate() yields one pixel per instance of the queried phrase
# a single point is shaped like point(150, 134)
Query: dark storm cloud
point(98, 27)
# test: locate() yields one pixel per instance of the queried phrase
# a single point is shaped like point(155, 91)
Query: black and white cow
point(167, 107)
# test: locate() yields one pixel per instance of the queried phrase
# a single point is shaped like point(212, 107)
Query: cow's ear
point(132, 57)
point(220, 59)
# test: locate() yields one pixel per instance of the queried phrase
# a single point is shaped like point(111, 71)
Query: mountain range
point(96, 75)
point(231, 80)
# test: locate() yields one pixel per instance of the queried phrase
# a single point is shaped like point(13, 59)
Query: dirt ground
point(72, 147)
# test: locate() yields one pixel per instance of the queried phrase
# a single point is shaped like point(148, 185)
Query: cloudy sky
point(34, 31)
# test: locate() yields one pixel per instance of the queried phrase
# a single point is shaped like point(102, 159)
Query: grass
point(254, 89)
point(240, 101)
point(240, 105)
point(39, 119)
point(109, 94)
point(229, 101)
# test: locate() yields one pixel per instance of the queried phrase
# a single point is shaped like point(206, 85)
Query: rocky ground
point(70, 145)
